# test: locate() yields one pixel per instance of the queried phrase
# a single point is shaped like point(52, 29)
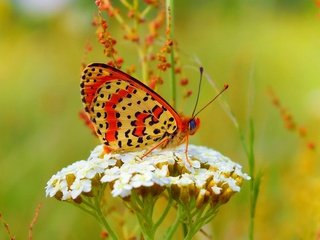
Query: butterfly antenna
point(198, 95)
point(224, 88)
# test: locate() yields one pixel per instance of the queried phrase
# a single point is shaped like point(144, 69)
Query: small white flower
point(160, 156)
point(216, 190)
point(196, 164)
point(185, 180)
point(127, 171)
point(54, 185)
point(173, 180)
point(201, 176)
point(91, 168)
point(97, 152)
point(121, 188)
point(111, 174)
point(125, 177)
point(232, 184)
point(66, 194)
point(139, 180)
point(137, 167)
point(128, 157)
point(79, 186)
point(160, 176)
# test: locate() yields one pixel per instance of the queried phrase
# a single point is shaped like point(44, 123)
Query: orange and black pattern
point(125, 113)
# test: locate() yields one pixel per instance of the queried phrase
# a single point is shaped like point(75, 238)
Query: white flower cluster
point(127, 171)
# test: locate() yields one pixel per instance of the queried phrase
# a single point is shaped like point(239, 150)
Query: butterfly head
point(193, 125)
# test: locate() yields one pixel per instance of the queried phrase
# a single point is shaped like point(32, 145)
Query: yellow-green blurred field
point(252, 45)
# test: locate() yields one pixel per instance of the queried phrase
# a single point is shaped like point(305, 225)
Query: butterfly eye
point(192, 125)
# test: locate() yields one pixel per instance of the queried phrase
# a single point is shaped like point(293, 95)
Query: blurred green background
point(252, 45)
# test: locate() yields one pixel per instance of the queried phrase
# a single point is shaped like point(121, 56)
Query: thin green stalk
point(199, 214)
point(209, 215)
point(251, 222)
point(143, 209)
point(126, 4)
point(145, 233)
point(251, 172)
point(146, 11)
point(89, 211)
point(244, 145)
point(204, 216)
point(148, 209)
point(104, 221)
point(254, 193)
point(173, 228)
point(184, 229)
point(255, 179)
point(135, 4)
point(194, 226)
point(144, 64)
point(188, 215)
point(149, 214)
point(164, 214)
point(170, 27)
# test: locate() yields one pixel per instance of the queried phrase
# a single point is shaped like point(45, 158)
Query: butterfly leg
point(162, 142)
point(186, 151)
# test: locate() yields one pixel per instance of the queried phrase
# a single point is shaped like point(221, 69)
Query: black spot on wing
point(156, 131)
point(126, 134)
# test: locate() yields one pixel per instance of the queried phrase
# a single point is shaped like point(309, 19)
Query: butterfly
point(127, 115)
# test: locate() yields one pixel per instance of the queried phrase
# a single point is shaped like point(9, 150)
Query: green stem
point(144, 64)
point(251, 149)
point(173, 228)
point(190, 215)
point(126, 4)
point(251, 170)
point(143, 209)
point(164, 214)
point(143, 229)
point(255, 179)
point(195, 225)
point(244, 145)
point(170, 27)
point(146, 11)
point(184, 229)
point(254, 183)
point(199, 214)
point(251, 227)
point(90, 210)
point(205, 215)
point(104, 221)
point(135, 4)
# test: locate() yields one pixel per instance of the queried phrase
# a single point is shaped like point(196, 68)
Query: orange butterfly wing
point(125, 113)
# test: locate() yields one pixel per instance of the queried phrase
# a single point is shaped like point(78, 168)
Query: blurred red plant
point(288, 120)
point(144, 25)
